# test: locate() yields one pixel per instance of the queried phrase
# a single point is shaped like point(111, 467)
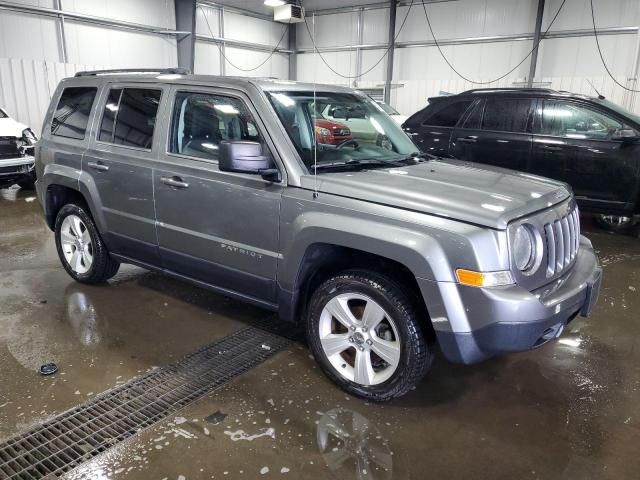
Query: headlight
point(29, 137)
point(523, 248)
point(323, 131)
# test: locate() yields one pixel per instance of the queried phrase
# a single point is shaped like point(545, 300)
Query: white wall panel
point(207, 59)
point(29, 36)
point(312, 69)
point(576, 14)
point(376, 26)
point(330, 30)
point(578, 56)
point(240, 60)
point(26, 87)
point(467, 18)
point(480, 62)
point(148, 12)
point(207, 21)
point(254, 30)
point(372, 60)
point(88, 43)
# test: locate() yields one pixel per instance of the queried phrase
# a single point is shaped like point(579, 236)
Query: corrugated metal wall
point(26, 87)
point(420, 72)
point(245, 29)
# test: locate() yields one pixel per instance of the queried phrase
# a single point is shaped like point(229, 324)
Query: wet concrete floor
point(569, 410)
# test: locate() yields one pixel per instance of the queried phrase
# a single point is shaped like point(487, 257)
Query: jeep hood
point(477, 194)
point(10, 128)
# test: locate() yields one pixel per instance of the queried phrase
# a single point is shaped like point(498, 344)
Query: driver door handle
point(101, 167)
point(174, 182)
point(467, 139)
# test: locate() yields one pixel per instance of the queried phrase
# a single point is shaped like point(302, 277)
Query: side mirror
point(246, 157)
point(627, 135)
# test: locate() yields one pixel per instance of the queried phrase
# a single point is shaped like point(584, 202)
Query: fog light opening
point(549, 334)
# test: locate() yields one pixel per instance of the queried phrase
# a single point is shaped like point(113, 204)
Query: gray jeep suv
point(378, 250)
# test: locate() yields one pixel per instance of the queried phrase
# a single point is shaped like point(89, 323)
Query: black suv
point(590, 143)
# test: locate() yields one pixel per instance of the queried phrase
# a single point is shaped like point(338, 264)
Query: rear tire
point(613, 223)
point(80, 248)
point(27, 184)
point(365, 334)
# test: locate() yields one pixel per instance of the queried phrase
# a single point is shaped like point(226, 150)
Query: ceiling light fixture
point(274, 3)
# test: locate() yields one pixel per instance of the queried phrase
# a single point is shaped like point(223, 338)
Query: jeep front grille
point(563, 239)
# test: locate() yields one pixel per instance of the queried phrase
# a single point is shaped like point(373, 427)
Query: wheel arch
point(322, 260)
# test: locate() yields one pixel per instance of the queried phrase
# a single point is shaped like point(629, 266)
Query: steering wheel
point(351, 141)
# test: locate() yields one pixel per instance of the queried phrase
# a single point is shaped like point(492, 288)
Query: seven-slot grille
point(342, 131)
point(563, 239)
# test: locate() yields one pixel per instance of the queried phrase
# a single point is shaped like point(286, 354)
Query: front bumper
point(473, 324)
point(17, 168)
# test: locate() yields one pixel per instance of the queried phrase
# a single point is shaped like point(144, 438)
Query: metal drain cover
point(87, 430)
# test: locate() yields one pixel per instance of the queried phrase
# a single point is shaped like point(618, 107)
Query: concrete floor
point(568, 410)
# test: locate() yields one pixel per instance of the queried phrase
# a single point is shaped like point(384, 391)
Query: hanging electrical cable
point(435, 40)
point(604, 64)
point(284, 31)
point(386, 52)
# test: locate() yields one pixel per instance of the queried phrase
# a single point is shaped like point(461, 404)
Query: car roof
point(171, 77)
point(515, 91)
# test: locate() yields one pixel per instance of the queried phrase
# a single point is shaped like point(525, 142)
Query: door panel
point(432, 131)
point(120, 165)
point(577, 145)
point(217, 227)
point(220, 228)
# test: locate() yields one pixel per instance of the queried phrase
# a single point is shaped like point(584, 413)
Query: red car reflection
point(332, 133)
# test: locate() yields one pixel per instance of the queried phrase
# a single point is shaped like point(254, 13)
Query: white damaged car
point(16, 152)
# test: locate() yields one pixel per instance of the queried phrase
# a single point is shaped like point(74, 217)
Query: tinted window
point(108, 118)
point(72, 114)
point(449, 115)
point(130, 116)
point(201, 121)
point(474, 119)
point(506, 114)
point(564, 119)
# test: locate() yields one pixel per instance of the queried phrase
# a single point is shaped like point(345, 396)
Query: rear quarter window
point(448, 115)
point(71, 117)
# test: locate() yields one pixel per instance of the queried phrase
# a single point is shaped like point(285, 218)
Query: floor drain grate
point(87, 430)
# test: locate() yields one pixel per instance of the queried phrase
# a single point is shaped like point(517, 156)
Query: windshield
point(622, 111)
point(389, 110)
point(341, 130)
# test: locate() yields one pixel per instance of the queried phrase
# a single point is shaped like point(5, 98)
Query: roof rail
point(511, 89)
point(124, 71)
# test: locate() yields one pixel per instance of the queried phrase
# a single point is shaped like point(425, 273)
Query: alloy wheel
point(360, 339)
point(76, 244)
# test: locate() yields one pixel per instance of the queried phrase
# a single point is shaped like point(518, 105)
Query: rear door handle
point(174, 182)
point(550, 148)
point(467, 139)
point(101, 167)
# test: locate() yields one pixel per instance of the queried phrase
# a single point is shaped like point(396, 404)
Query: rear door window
point(474, 118)
point(71, 117)
point(448, 116)
point(507, 114)
point(129, 117)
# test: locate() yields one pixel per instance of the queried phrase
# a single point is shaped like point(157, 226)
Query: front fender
point(418, 251)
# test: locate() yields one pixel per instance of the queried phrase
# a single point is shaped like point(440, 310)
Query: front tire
point(80, 248)
point(365, 334)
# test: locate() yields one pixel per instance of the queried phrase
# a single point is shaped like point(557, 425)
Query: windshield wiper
point(357, 163)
